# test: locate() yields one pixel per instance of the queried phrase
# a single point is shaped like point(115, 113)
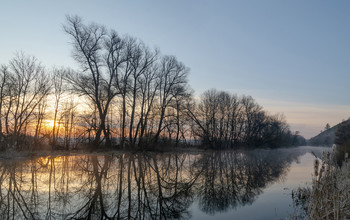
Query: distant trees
point(33, 109)
point(226, 120)
point(24, 88)
point(327, 127)
point(342, 135)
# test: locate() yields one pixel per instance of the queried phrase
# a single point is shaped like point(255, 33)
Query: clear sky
point(291, 56)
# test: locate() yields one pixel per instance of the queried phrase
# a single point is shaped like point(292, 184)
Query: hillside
point(326, 137)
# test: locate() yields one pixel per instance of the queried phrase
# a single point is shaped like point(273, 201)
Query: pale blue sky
point(291, 56)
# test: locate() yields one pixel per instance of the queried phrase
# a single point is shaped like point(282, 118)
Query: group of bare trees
point(136, 93)
point(123, 94)
point(24, 86)
point(226, 120)
point(128, 93)
point(32, 107)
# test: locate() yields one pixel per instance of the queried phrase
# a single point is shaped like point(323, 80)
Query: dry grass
point(329, 195)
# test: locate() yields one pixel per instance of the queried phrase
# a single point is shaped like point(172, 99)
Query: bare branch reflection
point(137, 186)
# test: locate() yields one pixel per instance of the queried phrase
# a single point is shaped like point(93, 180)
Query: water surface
point(253, 184)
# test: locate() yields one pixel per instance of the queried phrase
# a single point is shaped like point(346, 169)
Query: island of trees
point(124, 94)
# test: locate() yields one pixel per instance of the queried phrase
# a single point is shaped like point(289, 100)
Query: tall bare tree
point(149, 86)
point(97, 53)
point(141, 62)
point(172, 82)
point(122, 81)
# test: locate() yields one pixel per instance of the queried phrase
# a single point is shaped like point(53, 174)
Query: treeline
point(123, 94)
point(224, 120)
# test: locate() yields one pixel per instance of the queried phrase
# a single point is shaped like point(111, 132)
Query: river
point(244, 184)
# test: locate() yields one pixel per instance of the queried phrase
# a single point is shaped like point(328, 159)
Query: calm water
point(253, 184)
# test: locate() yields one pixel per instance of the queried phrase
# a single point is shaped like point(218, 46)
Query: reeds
point(329, 195)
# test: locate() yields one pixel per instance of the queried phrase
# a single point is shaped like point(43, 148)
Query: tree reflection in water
point(232, 179)
point(137, 186)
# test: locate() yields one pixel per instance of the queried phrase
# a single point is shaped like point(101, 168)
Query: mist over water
point(240, 184)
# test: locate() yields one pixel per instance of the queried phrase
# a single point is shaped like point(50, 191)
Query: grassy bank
point(329, 195)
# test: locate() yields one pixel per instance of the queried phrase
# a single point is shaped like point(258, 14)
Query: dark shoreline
point(25, 154)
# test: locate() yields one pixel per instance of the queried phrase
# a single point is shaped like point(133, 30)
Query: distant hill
point(326, 137)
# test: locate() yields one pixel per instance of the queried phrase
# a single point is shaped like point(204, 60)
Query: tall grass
point(329, 195)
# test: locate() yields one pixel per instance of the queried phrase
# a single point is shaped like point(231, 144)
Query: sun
point(50, 123)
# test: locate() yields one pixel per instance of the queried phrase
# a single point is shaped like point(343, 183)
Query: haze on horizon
point(292, 57)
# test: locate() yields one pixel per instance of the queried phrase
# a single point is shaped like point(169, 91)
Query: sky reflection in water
point(252, 184)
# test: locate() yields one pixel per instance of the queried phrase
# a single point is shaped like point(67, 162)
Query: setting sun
point(50, 123)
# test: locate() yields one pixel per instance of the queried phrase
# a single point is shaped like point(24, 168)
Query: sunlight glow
point(50, 123)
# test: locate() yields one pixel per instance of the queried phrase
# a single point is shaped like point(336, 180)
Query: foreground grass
point(329, 195)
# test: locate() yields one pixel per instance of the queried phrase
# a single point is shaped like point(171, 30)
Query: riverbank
point(24, 154)
point(12, 153)
point(329, 195)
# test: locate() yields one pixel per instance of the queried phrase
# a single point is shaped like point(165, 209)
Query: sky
point(292, 57)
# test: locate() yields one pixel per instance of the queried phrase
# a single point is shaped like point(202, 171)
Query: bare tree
point(68, 121)
point(31, 86)
point(58, 89)
point(183, 122)
point(122, 81)
point(149, 85)
point(141, 62)
point(97, 53)
point(5, 79)
point(39, 114)
point(250, 110)
point(172, 82)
